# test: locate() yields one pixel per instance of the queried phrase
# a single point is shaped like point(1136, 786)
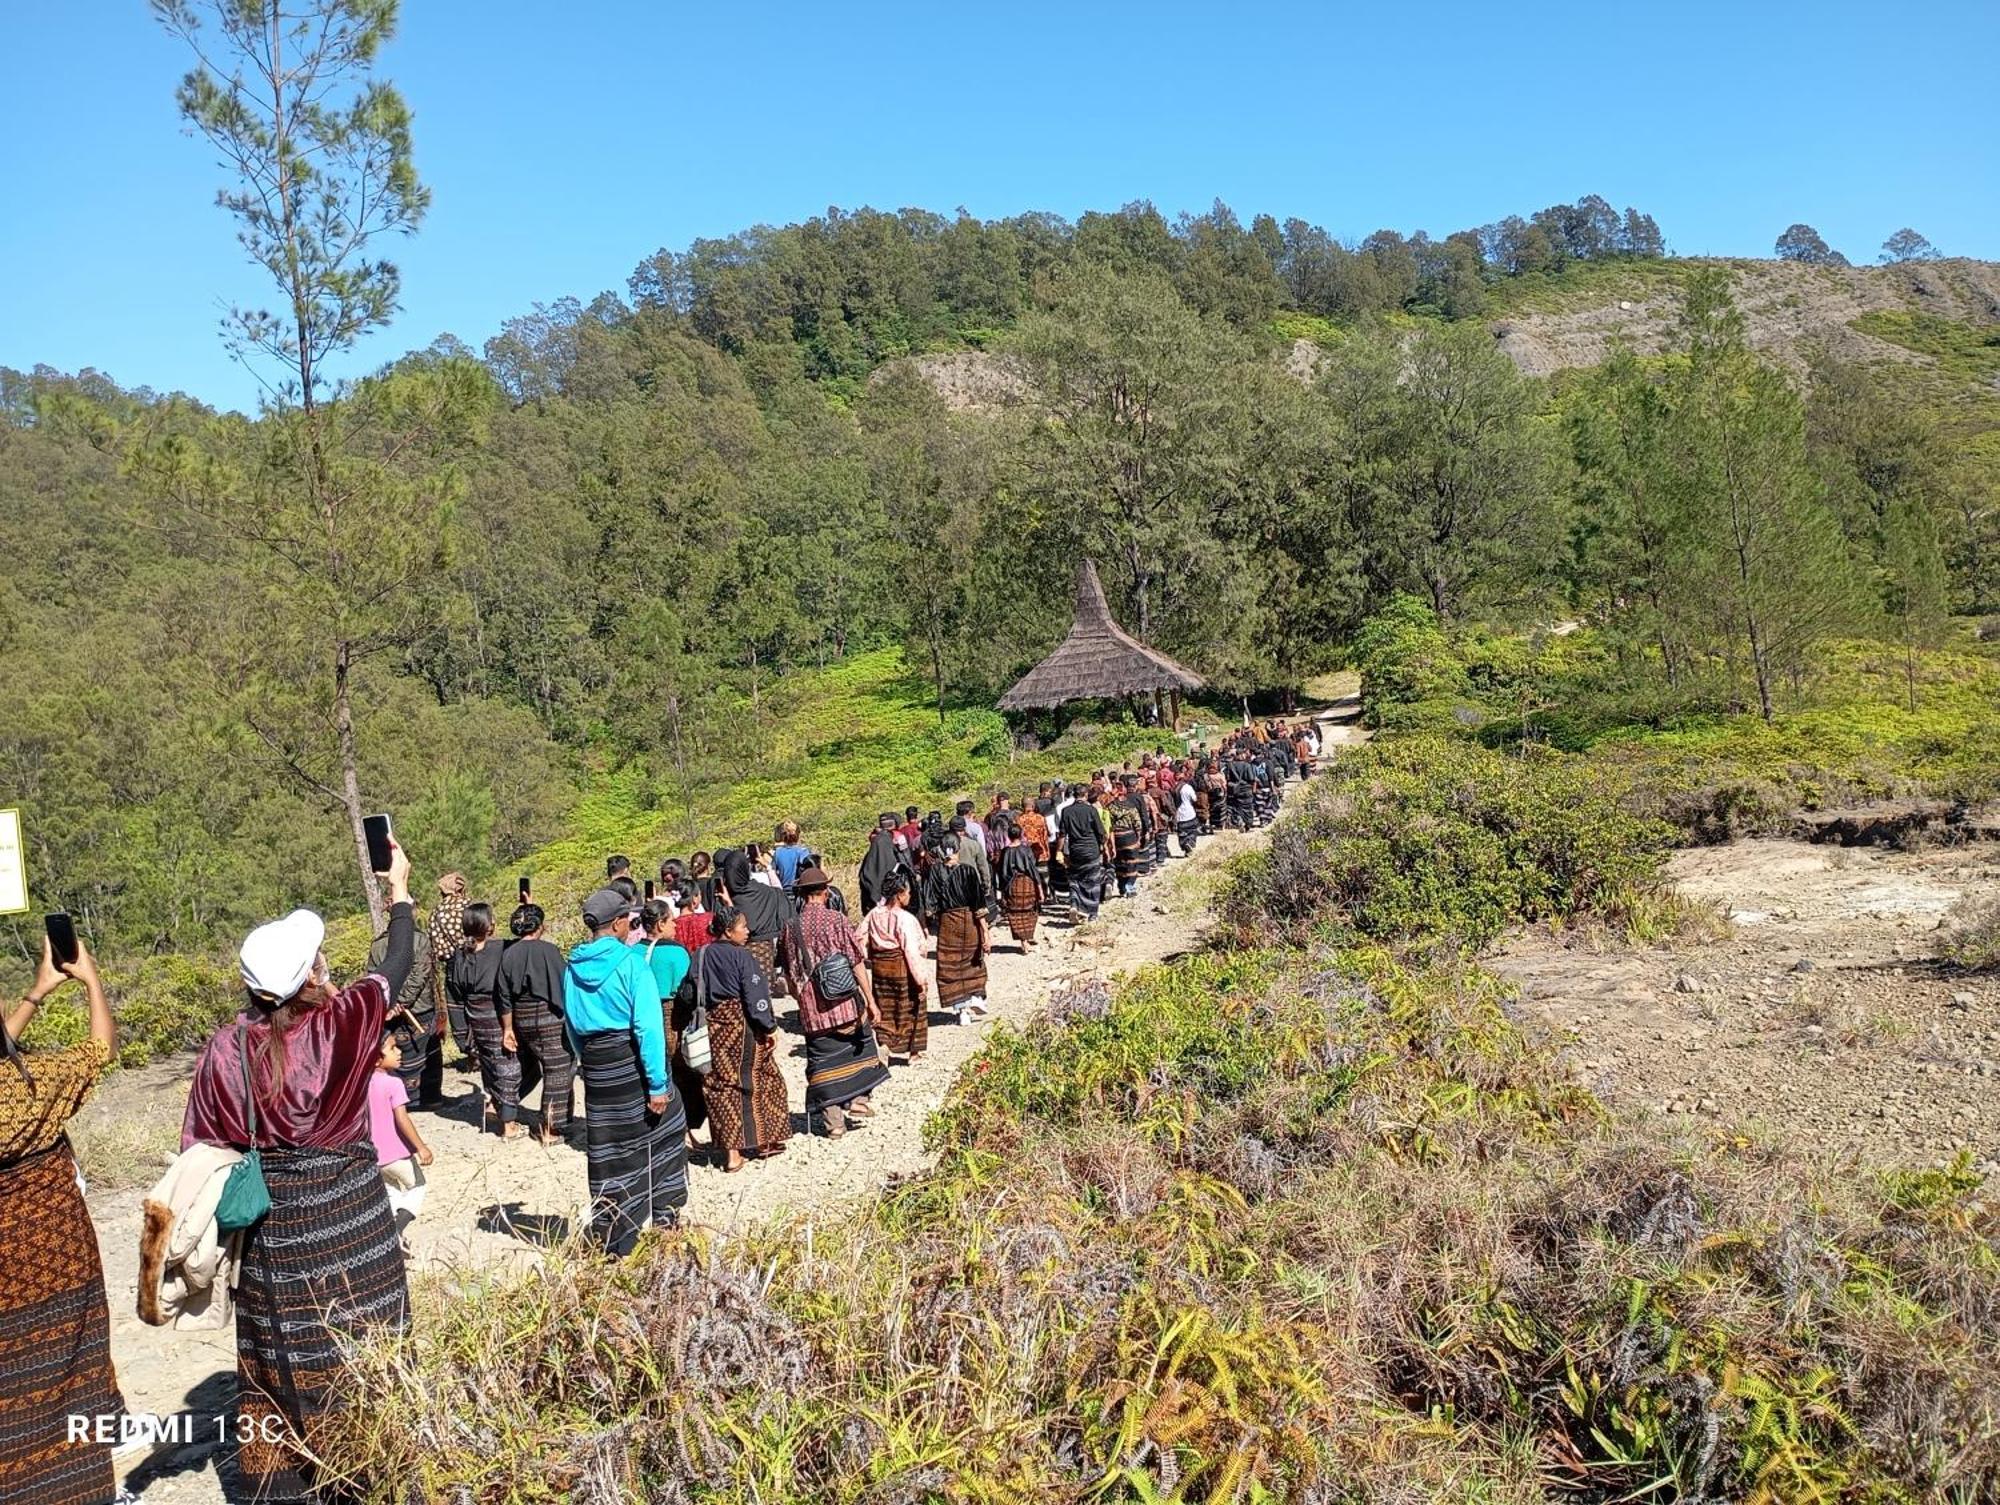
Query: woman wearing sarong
point(1019, 878)
point(765, 908)
point(749, 1116)
point(896, 970)
point(291, 1077)
point(669, 961)
point(531, 997)
point(843, 1062)
point(473, 980)
point(1161, 801)
point(55, 1327)
point(1126, 827)
point(958, 898)
point(636, 1125)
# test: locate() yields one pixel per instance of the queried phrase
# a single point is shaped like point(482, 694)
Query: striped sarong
point(1188, 833)
point(842, 1065)
point(1086, 890)
point(544, 1059)
point(1125, 857)
point(323, 1263)
point(637, 1160)
point(906, 1022)
point(55, 1337)
point(961, 970)
point(499, 1068)
point(748, 1110)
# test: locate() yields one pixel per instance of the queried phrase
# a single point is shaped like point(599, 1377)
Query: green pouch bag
point(245, 1198)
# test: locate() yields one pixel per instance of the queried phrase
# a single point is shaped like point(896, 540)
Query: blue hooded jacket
point(608, 986)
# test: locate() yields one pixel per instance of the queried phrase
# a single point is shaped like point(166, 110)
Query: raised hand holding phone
point(375, 830)
point(64, 947)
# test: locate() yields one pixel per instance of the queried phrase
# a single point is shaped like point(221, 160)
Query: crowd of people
point(302, 1164)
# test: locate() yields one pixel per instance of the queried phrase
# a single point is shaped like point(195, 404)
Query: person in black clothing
point(1242, 790)
point(472, 980)
point(881, 860)
point(530, 994)
point(767, 909)
point(1079, 837)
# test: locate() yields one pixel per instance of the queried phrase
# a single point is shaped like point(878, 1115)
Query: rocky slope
point(1788, 308)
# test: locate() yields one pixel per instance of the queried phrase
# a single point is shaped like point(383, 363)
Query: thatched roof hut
point(1099, 660)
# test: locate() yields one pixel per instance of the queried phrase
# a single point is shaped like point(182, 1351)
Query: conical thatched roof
point(1098, 660)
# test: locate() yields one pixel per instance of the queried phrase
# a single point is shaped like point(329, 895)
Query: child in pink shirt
point(399, 1149)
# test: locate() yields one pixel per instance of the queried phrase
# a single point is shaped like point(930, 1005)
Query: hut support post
point(1174, 700)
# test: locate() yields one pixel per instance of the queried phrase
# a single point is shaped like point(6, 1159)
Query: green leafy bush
point(164, 1004)
point(1427, 838)
point(1410, 674)
point(982, 734)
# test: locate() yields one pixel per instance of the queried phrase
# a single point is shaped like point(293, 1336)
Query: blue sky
point(565, 143)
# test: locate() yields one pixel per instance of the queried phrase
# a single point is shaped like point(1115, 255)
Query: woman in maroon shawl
point(290, 1078)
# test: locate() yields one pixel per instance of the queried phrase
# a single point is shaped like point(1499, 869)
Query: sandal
point(860, 1109)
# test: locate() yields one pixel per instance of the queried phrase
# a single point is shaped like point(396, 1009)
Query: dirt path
point(1822, 1017)
point(490, 1203)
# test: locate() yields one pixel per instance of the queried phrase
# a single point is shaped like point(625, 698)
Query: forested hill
point(600, 542)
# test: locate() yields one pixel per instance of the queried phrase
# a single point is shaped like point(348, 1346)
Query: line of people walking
point(301, 1163)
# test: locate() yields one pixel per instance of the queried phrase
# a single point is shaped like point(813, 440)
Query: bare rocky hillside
point(1788, 307)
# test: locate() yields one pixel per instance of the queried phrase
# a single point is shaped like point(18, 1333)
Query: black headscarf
point(876, 867)
point(766, 908)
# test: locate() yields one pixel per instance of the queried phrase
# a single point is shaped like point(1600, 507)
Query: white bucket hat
point(278, 957)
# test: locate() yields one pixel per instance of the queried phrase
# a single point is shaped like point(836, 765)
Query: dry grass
point(1255, 1229)
point(128, 1149)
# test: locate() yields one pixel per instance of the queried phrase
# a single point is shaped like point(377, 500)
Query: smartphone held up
point(64, 947)
point(381, 841)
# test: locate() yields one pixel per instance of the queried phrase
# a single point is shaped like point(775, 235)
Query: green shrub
point(981, 734)
point(1428, 838)
point(165, 1004)
point(1406, 660)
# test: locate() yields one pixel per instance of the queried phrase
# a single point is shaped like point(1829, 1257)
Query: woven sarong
point(499, 1069)
point(747, 1108)
point(1086, 890)
point(842, 1065)
point(961, 970)
point(326, 1255)
point(544, 1059)
point(637, 1160)
point(687, 1081)
point(1187, 833)
point(906, 1021)
point(1023, 905)
point(1125, 853)
point(55, 1337)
